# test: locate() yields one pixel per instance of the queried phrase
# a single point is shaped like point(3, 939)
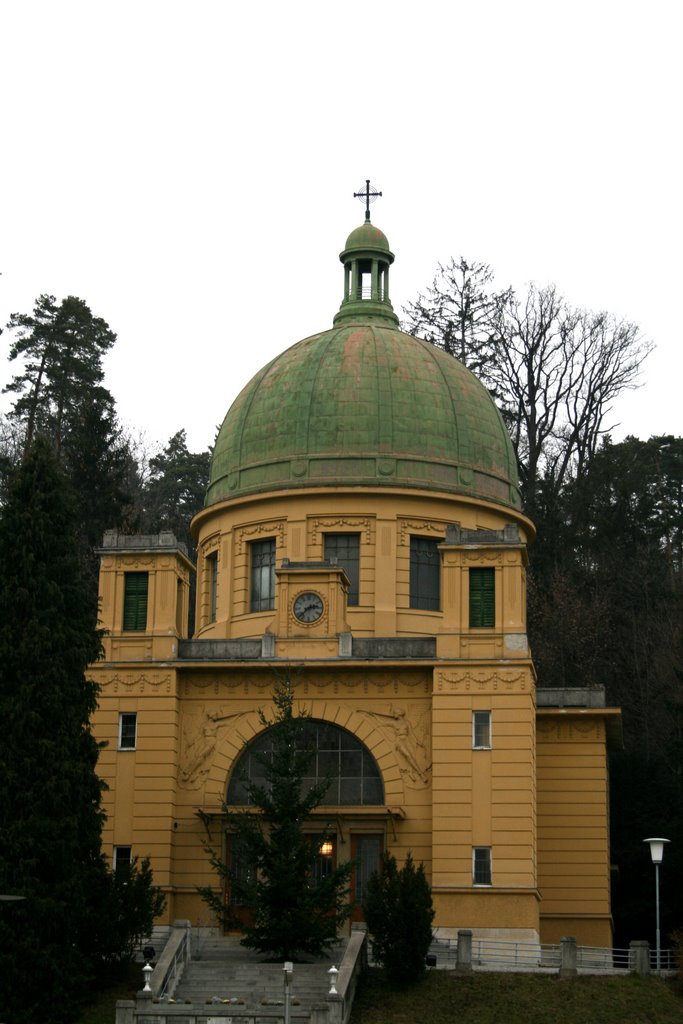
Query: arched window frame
point(355, 778)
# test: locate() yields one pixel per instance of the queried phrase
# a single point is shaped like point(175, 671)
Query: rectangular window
point(425, 573)
point(128, 723)
point(262, 575)
point(481, 730)
point(481, 865)
point(135, 601)
point(212, 570)
point(344, 549)
point(179, 625)
point(122, 857)
point(482, 598)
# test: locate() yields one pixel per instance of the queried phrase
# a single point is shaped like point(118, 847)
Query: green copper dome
point(364, 405)
point(367, 236)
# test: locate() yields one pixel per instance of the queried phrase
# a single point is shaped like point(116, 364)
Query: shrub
point(399, 914)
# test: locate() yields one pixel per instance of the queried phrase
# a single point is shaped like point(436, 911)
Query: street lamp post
point(288, 971)
point(657, 853)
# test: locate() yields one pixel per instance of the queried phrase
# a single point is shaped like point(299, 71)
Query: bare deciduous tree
point(555, 371)
point(458, 312)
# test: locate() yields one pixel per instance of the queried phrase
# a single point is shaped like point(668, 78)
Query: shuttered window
point(482, 598)
point(135, 601)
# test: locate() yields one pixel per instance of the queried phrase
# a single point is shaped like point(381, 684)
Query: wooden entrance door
point(366, 853)
point(242, 873)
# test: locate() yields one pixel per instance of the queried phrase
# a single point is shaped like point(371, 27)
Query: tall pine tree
point(60, 394)
point(60, 346)
point(50, 817)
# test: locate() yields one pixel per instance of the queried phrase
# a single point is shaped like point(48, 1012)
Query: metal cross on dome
point(368, 195)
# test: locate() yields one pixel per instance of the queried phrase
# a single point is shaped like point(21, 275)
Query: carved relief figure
point(199, 746)
point(410, 747)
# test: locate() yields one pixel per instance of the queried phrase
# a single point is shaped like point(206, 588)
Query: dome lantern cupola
point(364, 405)
point(366, 258)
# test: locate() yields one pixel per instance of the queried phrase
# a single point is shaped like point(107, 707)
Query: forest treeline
point(605, 583)
point(605, 579)
point(119, 482)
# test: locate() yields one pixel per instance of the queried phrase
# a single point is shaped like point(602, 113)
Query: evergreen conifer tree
point(399, 915)
point(54, 940)
point(294, 911)
point(60, 395)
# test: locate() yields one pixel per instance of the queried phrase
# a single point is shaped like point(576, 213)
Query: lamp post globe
point(657, 855)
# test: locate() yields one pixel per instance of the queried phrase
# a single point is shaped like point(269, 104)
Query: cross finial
point(367, 195)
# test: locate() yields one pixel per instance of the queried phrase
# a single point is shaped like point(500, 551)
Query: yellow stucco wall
point(536, 798)
point(573, 825)
point(298, 520)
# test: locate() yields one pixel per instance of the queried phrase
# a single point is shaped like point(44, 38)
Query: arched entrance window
point(355, 780)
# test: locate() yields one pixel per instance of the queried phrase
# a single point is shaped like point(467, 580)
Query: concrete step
point(225, 969)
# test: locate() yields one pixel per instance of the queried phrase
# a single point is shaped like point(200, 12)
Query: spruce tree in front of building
point(294, 908)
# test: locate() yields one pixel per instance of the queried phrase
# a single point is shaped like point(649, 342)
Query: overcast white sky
point(188, 170)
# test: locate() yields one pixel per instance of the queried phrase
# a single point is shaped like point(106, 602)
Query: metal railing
point(597, 958)
point(172, 961)
point(669, 960)
point(528, 956)
point(495, 954)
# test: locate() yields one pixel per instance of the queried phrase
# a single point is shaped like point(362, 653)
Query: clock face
point(308, 607)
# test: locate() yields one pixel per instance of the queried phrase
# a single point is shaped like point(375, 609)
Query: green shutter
point(482, 598)
point(135, 602)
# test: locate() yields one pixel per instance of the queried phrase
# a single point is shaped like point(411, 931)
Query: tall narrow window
point(425, 573)
point(481, 865)
point(212, 570)
point(128, 730)
point(262, 575)
point(135, 601)
point(344, 549)
point(482, 598)
point(481, 730)
point(179, 624)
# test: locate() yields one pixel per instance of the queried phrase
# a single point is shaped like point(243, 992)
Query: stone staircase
point(224, 969)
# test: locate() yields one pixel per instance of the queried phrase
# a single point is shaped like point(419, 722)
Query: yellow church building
point(363, 533)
